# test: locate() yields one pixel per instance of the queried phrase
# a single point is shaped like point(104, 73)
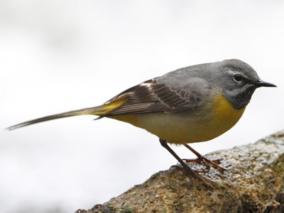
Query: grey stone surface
point(253, 182)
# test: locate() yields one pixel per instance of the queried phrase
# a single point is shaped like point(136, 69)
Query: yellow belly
point(188, 127)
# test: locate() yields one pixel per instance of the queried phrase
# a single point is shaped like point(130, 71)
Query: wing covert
point(157, 95)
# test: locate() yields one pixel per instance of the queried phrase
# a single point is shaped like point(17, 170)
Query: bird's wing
point(158, 95)
point(176, 91)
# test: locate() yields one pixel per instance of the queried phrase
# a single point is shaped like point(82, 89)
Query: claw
point(206, 162)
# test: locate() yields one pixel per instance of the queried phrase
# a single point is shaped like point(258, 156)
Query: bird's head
point(238, 81)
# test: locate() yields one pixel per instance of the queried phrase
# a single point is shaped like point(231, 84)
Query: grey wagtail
point(191, 104)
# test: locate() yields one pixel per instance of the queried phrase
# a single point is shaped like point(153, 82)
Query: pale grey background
point(57, 55)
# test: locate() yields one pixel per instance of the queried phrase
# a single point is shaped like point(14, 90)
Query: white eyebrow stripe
point(234, 72)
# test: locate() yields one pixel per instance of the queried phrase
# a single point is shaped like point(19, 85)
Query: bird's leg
point(214, 163)
point(188, 171)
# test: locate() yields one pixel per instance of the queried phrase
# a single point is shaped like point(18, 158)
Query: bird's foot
point(207, 163)
point(197, 174)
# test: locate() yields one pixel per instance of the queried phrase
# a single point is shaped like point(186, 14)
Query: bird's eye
point(238, 78)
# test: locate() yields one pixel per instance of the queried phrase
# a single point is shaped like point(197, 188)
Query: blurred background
point(59, 55)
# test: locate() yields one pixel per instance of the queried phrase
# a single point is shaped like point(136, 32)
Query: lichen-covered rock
point(253, 182)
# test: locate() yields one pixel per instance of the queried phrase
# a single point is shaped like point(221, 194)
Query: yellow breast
point(224, 116)
point(188, 127)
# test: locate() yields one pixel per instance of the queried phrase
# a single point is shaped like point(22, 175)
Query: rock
point(253, 182)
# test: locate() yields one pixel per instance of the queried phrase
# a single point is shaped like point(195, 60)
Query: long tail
point(102, 110)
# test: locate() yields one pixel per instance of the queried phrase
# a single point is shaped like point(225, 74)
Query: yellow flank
point(128, 118)
point(188, 127)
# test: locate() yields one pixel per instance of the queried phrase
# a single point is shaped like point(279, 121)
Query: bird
point(192, 104)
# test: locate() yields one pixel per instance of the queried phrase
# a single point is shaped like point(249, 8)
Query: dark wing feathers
point(140, 99)
point(157, 96)
point(172, 98)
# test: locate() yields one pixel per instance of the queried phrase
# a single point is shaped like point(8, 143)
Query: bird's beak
point(261, 83)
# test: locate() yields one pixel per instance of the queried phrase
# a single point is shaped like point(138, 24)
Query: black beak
point(261, 83)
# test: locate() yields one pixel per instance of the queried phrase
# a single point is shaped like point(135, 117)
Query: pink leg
point(202, 159)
